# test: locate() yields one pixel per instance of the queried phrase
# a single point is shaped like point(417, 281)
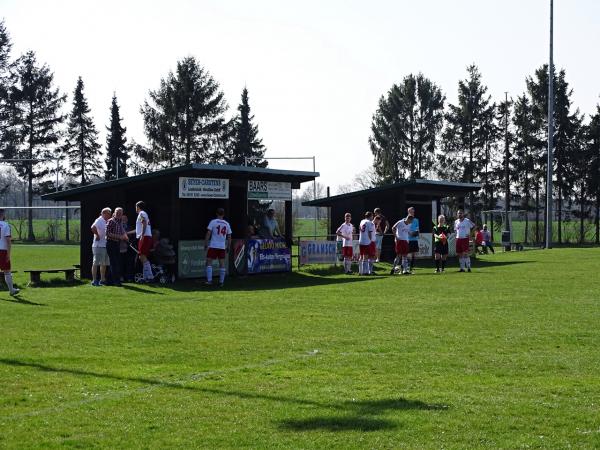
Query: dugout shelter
point(427, 196)
point(182, 200)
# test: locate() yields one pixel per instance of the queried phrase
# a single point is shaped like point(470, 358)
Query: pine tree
point(116, 148)
point(566, 125)
point(527, 167)
point(246, 143)
point(184, 118)
point(405, 129)
point(468, 133)
point(82, 145)
point(593, 137)
point(34, 120)
point(580, 174)
point(5, 47)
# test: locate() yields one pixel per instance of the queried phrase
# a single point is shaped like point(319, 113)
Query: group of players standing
point(406, 234)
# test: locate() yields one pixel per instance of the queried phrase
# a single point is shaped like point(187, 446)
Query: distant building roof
point(426, 187)
point(204, 170)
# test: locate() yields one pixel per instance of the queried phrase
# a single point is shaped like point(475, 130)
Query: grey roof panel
point(292, 175)
point(447, 186)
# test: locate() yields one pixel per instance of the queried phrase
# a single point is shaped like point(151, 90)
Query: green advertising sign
point(191, 260)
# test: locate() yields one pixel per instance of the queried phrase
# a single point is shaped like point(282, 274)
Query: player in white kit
point(345, 231)
point(464, 229)
point(366, 243)
point(401, 230)
point(5, 248)
point(217, 242)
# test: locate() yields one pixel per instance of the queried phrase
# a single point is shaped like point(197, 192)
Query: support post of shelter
point(289, 222)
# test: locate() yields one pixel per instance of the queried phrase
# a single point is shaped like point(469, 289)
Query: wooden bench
point(35, 275)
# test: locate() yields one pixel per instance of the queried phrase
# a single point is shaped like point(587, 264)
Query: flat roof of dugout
point(182, 200)
point(204, 170)
point(421, 189)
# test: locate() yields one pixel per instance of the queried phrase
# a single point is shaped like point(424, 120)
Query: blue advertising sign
point(267, 256)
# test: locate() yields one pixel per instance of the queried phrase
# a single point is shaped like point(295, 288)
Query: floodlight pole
point(506, 168)
point(550, 133)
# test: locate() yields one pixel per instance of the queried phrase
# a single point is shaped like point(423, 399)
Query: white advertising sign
point(426, 245)
point(203, 188)
point(269, 190)
point(318, 252)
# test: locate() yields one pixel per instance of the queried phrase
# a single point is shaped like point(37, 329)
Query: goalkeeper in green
point(441, 231)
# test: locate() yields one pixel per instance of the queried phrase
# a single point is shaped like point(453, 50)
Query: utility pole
point(550, 133)
point(506, 168)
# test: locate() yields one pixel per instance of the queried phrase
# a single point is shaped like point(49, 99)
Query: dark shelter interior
point(426, 196)
point(176, 217)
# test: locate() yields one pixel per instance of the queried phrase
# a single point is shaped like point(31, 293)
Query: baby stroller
point(162, 262)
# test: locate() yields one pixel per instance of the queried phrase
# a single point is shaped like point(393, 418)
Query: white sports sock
point(9, 281)
point(468, 261)
point(148, 271)
point(221, 275)
point(370, 265)
point(462, 262)
point(404, 263)
point(209, 273)
point(346, 265)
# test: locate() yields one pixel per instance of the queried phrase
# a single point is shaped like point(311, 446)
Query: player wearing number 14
point(217, 242)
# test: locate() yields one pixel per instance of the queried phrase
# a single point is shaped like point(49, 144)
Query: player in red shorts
point(401, 230)
point(5, 247)
point(366, 243)
point(143, 231)
point(217, 242)
point(464, 229)
point(345, 231)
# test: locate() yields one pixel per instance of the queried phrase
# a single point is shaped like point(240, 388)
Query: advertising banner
point(203, 188)
point(318, 252)
point(425, 245)
point(269, 190)
point(239, 256)
point(268, 256)
point(191, 260)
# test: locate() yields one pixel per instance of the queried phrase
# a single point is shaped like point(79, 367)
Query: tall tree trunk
point(545, 224)
point(598, 219)
point(537, 214)
point(82, 163)
point(559, 213)
point(581, 210)
point(527, 197)
point(30, 233)
point(67, 221)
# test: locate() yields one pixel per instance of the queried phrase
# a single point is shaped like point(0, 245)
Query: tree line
point(501, 145)
point(185, 121)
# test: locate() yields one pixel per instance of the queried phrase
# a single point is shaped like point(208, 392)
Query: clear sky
point(314, 69)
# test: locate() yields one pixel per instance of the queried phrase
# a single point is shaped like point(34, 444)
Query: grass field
point(306, 227)
point(505, 357)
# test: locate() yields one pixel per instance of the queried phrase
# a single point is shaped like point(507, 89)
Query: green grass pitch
point(505, 357)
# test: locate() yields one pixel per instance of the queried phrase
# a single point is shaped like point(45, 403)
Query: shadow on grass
point(355, 418)
point(138, 288)
point(336, 424)
point(271, 282)
point(57, 283)
point(21, 301)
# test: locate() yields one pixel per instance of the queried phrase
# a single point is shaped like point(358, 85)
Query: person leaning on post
point(115, 235)
point(380, 229)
